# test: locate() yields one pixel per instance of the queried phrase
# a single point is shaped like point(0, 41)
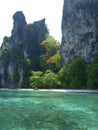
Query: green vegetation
point(50, 63)
point(26, 72)
point(74, 74)
point(92, 74)
point(50, 79)
point(5, 54)
point(44, 80)
point(79, 75)
point(50, 74)
point(51, 59)
point(35, 79)
point(15, 75)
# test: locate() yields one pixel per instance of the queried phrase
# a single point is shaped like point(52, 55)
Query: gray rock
point(24, 43)
point(79, 30)
point(18, 26)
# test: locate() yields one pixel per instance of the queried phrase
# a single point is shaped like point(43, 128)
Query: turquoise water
point(34, 110)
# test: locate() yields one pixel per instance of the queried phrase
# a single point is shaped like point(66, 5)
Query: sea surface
point(37, 110)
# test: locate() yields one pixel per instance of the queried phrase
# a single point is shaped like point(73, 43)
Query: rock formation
point(24, 45)
point(79, 30)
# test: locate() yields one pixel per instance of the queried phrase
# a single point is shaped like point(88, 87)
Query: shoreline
point(69, 90)
point(59, 90)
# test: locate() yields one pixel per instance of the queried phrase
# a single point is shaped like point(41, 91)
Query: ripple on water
point(27, 110)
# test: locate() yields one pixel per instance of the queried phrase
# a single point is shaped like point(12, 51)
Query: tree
point(64, 76)
point(26, 66)
point(56, 61)
point(78, 72)
point(15, 75)
point(50, 45)
point(51, 58)
point(5, 55)
point(92, 76)
point(96, 58)
point(35, 79)
point(50, 80)
point(74, 74)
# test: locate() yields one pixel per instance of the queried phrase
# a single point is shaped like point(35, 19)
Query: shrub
point(50, 79)
point(74, 74)
point(35, 79)
point(15, 75)
point(92, 76)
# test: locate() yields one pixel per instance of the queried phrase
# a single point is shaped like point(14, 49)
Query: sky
point(33, 10)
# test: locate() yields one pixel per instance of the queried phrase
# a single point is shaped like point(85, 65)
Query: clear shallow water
point(34, 110)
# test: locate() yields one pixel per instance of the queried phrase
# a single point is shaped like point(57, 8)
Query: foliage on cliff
point(51, 58)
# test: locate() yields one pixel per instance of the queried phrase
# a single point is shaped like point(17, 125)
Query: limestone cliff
point(22, 47)
point(79, 30)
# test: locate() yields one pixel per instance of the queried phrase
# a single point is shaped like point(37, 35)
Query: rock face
point(18, 28)
point(23, 46)
point(79, 30)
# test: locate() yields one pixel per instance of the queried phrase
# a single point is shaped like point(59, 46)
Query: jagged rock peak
point(18, 26)
point(42, 21)
point(79, 30)
point(19, 20)
point(19, 16)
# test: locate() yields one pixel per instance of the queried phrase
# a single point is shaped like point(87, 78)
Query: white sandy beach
point(58, 90)
point(65, 90)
